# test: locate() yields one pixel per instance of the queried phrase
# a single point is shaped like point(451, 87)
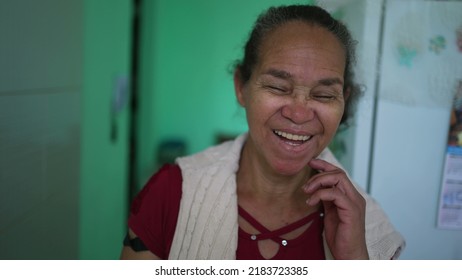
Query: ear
point(239, 87)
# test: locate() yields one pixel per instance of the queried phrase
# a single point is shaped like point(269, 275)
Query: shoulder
point(165, 183)
point(154, 211)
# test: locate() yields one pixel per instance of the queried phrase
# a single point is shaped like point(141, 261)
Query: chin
point(289, 168)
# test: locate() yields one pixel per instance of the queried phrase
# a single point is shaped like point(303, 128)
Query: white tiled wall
point(40, 90)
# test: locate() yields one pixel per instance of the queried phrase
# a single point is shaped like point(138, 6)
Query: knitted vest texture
point(207, 226)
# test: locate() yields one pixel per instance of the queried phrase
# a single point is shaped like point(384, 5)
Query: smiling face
point(294, 98)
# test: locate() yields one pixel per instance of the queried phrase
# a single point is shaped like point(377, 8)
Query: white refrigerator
point(410, 61)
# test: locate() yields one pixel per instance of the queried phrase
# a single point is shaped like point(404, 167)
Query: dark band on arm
point(136, 244)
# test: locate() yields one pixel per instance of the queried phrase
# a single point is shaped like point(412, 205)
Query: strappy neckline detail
point(275, 234)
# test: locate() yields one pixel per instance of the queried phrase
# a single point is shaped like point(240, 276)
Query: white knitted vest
point(207, 226)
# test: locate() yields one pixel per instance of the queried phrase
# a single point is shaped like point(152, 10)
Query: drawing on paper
point(437, 44)
point(406, 55)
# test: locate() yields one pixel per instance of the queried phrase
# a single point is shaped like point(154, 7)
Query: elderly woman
point(276, 192)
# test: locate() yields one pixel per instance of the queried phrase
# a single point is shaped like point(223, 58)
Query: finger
point(348, 211)
point(333, 179)
point(334, 198)
point(330, 176)
point(333, 195)
point(324, 180)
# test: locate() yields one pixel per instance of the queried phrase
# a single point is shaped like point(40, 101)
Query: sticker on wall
point(406, 55)
point(407, 38)
point(437, 44)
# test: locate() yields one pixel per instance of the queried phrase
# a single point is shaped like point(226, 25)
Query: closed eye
point(324, 97)
point(277, 89)
point(327, 97)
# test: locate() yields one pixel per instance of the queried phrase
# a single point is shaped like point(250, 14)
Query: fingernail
point(308, 189)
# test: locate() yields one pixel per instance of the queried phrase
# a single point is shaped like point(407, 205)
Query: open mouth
point(292, 139)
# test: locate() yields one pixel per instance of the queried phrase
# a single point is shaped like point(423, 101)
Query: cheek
point(260, 108)
point(331, 117)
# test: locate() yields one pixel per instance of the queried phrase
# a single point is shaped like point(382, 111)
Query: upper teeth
point(292, 136)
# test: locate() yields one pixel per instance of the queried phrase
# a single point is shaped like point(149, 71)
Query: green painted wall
point(186, 90)
point(104, 163)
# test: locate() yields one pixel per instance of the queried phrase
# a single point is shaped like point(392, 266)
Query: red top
point(154, 214)
point(307, 246)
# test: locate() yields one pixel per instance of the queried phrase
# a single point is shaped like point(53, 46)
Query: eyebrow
point(286, 75)
point(331, 81)
point(278, 73)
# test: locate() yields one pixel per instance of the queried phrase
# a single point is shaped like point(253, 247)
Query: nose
point(299, 110)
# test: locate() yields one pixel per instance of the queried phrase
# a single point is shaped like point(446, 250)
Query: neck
point(258, 180)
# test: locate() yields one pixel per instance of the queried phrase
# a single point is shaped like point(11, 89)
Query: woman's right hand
point(344, 210)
